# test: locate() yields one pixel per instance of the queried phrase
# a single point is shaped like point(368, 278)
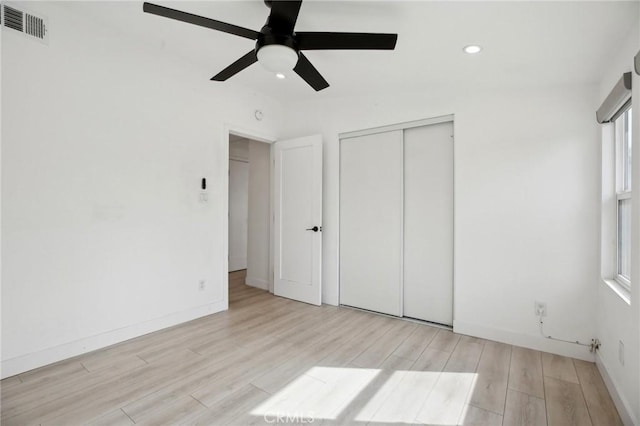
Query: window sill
point(619, 290)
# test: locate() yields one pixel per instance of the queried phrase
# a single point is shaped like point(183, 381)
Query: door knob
point(315, 229)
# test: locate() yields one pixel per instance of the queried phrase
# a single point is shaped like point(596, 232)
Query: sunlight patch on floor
point(428, 397)
point(400, 398)
point(321, 393)
point(447, 401)
point(380, 396)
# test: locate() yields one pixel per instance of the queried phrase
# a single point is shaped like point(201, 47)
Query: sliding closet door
point(428, 223)
point(371, 222)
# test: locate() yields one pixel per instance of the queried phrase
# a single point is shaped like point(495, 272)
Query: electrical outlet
point(540, 309)
point(621, 352)
point(201, 285)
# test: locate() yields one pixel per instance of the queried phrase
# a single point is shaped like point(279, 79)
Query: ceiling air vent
point(26, 22)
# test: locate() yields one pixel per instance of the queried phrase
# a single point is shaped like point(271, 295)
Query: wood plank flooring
point(268, 357)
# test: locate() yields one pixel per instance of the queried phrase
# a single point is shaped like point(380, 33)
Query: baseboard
point(524, 340)
point(257, 282)
point(20, 364)
point(624, 409)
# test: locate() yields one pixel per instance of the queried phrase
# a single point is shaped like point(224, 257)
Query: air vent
point(31, 25)
point(35, 26)
point(13, 18)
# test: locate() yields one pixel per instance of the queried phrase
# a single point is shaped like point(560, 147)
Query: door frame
point(259, 136)
point(404, 126)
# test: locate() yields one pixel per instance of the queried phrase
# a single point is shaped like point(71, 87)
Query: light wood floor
point(272, 356)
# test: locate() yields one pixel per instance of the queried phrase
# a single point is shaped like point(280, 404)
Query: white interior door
point(298, 219)
point(371, 222)
point(238, 214)
point(428, 223)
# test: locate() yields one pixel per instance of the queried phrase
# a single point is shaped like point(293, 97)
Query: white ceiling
point(525, 43)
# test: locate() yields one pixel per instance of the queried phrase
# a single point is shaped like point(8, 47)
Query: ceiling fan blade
point(350, 41)
point(284, 15)
point(242, 63)
point(199, 20)
point(310, 74)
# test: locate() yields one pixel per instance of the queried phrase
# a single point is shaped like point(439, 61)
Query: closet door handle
point(314, 229)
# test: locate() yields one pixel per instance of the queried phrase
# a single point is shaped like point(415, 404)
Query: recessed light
point(280, 75)
point(472, 48)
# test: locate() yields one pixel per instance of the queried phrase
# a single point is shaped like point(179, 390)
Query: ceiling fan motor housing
point(267, 37)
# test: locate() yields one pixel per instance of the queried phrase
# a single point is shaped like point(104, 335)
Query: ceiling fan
point(278, 48)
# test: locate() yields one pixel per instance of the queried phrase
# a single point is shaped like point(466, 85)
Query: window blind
point(619, 95)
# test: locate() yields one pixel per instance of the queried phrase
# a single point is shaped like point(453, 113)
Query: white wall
point(616, 319)
point(104, 142)
point(238, 203)
point(255, 247)
point(526, 203)
point(238, 212)
point(259, 213)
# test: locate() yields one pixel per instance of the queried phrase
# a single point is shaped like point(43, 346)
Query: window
point(622, 126)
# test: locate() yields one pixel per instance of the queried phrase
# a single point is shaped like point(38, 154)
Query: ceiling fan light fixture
point(472, 49)
point(277, 58)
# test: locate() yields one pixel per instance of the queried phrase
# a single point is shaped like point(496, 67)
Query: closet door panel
point(428, 223)
point(371, 222)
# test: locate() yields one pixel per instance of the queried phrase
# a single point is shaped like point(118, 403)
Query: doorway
point(249, 230)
